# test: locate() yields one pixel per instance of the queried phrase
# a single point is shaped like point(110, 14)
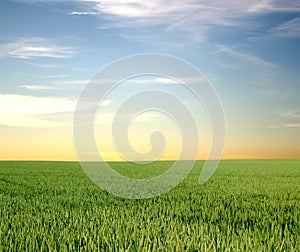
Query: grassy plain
point(248, 205)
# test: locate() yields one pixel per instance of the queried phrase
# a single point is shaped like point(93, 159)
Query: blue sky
point(249, 50)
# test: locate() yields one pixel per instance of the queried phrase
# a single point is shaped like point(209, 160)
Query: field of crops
point(249, 205)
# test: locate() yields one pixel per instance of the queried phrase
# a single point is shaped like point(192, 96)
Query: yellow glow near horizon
point(57, 144)
point(20, 143)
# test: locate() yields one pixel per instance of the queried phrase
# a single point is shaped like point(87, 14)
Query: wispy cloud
point(150, 81)
point(82, 13)
point(57, 76)
point(208, 9)
point(42, 65)
point(161, 80)
point(72, 82)
point(31, 111)
point(56, 84)
point(38, 112)
point(288, 29)
point(165, 81)
point(34, 47)
point(274, 6)
point(39, 87)
point(247, 57)
point(267, 126)
point(292, 125)
point(290, 118)
point(194, 18)
point(291, 114)
point(285, 125)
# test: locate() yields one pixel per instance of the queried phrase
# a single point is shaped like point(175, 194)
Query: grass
point(249, 205)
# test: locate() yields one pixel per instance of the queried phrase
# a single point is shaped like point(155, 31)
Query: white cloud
point(82, 13)
point(166, 81)
point(192, 19)
point(182, 80)
point(154, 80)
point(290, 118)
point(288, 29)
point(143, 117)
point(39, 87)
point(247, 57)
point(73, 82)
point(290, 114)
point(106, 102)
point(266, 6)
point(292, 125)
point(41, 65)
point(150, 81)
point(57, 76)
point(39, 112)
point(34, 47)
point(31, 111)
point(165, 8)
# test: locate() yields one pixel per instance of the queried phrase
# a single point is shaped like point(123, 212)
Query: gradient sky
point(249, 50)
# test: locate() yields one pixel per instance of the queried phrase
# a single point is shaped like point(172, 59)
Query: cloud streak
point(292, 125)
point(246, 57)
point(290, 114)
point(31, 111)
point(38, 112)
point(192, 20)
point(83, 13)
point(288, 29)
point(194, 17)
point(39, 87)
point(34, 47)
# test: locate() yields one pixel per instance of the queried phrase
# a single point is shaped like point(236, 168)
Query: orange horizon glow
point(57, 145)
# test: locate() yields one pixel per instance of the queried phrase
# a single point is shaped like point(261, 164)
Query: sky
point(248, 50)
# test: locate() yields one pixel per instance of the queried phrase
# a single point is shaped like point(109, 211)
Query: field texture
point(246, 206)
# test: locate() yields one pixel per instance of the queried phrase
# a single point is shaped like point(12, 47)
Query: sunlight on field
point(246, 206)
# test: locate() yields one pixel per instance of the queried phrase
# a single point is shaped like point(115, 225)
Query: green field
point(249, 205)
